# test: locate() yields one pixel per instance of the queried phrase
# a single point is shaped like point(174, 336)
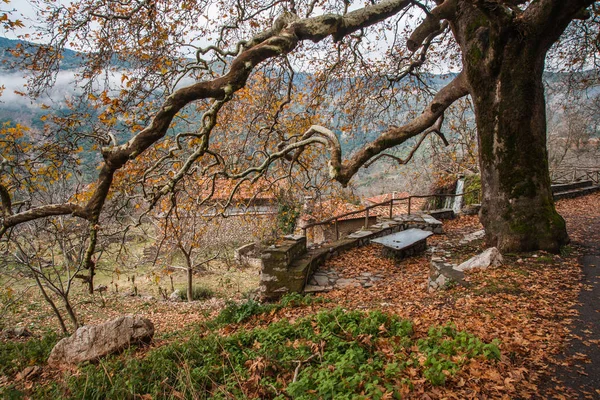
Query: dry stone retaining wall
point(288, 265)
point(249, 255)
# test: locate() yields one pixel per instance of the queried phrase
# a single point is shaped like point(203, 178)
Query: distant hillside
point(71, 59)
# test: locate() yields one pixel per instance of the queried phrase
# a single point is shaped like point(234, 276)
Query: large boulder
point(89, 343)
point(490, 257)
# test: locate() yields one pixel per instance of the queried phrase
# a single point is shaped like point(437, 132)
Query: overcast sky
point(24, 11)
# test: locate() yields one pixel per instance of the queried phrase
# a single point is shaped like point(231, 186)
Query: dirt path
point(579, 373)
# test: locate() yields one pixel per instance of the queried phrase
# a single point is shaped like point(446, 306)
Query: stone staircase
point(574, 189)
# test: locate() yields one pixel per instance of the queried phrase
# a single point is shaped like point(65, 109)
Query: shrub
point(236, 313)
point(198, 293)
point(473, 189)
point(287, 215)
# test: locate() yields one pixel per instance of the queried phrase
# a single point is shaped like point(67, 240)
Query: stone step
point(565, 187)
point(317, 289)
point(569, 194)
point(442, 213)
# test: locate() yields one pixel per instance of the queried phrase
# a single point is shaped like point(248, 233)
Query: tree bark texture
point(504, 67)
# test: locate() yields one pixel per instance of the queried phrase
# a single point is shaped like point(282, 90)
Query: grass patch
point(521, 271)
point(15, 356)
point(334, 354)
point(236, 313)
point(545, 259)
point(495, 286)
point(566, 251)
point(198, 293)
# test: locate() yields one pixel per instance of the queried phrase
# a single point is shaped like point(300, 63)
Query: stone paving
point(328, 279)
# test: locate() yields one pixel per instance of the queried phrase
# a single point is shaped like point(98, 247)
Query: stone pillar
point(277, 276)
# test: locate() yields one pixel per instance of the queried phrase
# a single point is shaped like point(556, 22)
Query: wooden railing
point(389, 203)
point(574, 173)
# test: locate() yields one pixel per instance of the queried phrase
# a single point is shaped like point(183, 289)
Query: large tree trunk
point(504, 70)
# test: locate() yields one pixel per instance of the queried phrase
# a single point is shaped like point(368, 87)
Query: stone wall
point(442, 213)
point(249, 255)
point(326, 233)
point(277, 277)
point(288, 265)
point(349, 226)
point(421, 221)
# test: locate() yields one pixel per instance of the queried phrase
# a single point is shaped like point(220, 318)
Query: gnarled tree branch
point(434, 129)
point(457, 88)
point(279, 41)
point(431, 24)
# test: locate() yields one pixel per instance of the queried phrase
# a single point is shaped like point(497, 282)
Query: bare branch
point(456, 89)
point(280, 40)
point(549, 18)
point(435, 129)
point(279, 43)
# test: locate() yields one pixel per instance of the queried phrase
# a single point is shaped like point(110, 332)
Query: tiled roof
point(326, 209)
point(261, 190)
point(387, 196)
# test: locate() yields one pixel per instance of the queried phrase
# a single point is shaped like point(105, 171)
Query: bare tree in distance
point(49, 252)
point(185, 236)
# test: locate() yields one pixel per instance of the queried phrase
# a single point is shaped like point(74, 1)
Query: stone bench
point(404, 244)
point(421, 221)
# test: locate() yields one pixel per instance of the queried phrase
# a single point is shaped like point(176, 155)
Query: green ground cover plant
point(15, 356)
point(334, 354)
point(236, 313)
